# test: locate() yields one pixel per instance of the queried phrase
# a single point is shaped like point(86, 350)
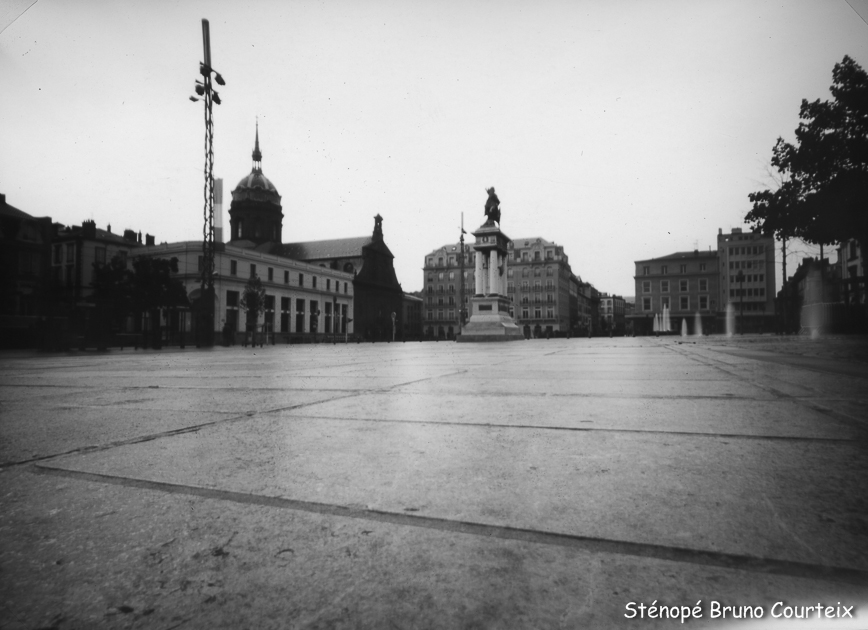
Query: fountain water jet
point(684, 327)
point(697, 325)
point(730, 319)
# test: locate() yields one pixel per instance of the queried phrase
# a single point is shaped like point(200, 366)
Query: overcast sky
point(620, 130)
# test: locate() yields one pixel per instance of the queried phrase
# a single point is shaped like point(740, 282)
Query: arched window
point(240, 225)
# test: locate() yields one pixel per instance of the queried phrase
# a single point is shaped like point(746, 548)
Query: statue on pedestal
point(492, 206)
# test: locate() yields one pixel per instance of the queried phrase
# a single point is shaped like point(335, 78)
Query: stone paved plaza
point(534, 484)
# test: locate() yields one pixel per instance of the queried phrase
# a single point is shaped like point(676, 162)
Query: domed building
point(255, 214)
point(332, 288)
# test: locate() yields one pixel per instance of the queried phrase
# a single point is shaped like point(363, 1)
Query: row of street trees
point(147, 288)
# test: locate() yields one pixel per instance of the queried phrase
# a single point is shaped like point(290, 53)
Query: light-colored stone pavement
point(538, 484)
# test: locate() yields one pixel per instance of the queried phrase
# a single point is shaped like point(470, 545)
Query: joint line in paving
point(585, 543)
point(95, 448)
point(803, 401)
point(538, 427)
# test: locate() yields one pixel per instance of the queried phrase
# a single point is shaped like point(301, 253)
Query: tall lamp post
point(739, 277)
point(210, 96)
point(461, 280)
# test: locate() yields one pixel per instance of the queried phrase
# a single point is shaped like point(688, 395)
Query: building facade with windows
point(747, 279)
point(612, 314)
point(446, 271)
point(302, 301)
point(684, 285)
point(25, 274)
point(538, 285)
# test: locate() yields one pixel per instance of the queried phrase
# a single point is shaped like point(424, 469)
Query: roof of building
point(332, 248)
point(531, 241)
point(76, 231)
point(11, 211)
point(683, 255)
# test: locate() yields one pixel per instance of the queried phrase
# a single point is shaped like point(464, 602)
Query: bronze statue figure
point(492, 206)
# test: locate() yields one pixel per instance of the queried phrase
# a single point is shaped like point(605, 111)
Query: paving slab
point(541, 484)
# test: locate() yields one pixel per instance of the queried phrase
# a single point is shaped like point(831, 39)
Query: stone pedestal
point(489, 308)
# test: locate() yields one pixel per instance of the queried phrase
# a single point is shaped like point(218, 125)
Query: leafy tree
point(148, 287)
point(823, 195)
point(253, 300)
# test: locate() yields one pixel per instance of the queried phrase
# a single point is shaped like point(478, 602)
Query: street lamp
point(739, 277)
point(209, 96)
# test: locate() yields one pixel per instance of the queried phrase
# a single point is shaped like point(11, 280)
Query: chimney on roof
point(109, 228)
point(149, 240)
point(720, 231)
point(139, 239)
point(696, 252)
point(130, 235)
point(88, 228)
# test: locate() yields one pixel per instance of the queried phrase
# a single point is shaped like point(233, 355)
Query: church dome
point(256, 187)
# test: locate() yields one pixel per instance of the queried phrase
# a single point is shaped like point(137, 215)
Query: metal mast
point(461, 280)
point(205, 327)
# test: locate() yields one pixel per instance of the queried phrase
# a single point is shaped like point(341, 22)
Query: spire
point(257, 154)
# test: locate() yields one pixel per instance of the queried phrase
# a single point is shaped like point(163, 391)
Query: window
point(537, 255)
point(269, 313)
point(549, 271)
point(510, 287)
point(664, 270)
point(664, 302)
point(328, 284)
point(301, 284)
point(703, 284)
point(232, 310)
point(664, 286)
point(684, 302)
point(537, 273)
point(284, 314)
point(550, 255)
point(646, 271)
point(646, 304)
point(682, 268)
point(703, 302)
point(99, 255)
point(452, 275)
point(271, 275)
point(702, 266)
point(252, 270)
point(525, 256)
point(233, 267)
point(646, 286)
point(682, 285)
point(285, 277)
point(313, 282)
